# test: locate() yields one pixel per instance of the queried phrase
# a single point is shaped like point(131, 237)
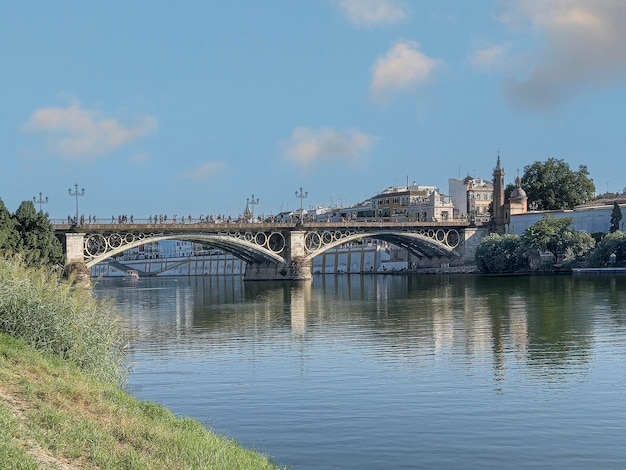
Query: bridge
point(273, 251)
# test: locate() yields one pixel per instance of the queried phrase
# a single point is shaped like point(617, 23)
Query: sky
point(196, 107)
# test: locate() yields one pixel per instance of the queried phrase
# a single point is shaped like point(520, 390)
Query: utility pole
point(40, 201)
point(76, 193)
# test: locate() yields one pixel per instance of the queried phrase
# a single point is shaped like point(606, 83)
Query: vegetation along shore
point(62, 399)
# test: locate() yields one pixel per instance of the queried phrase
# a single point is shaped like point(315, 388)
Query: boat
point(132, 274)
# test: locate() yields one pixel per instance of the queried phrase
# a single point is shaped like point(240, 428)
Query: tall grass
point(52, 316)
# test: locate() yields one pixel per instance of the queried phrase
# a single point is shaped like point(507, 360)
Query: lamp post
point(252, 202)
point(40, 201)
point(76, 193)
point(301, 195)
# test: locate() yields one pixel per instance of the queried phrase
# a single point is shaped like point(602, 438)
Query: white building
point(471, 197)
point(162, 249)
point(590, 218)
point(415, 202)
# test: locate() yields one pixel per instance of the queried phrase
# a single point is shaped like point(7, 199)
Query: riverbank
point(63, 370)
point(52, 415)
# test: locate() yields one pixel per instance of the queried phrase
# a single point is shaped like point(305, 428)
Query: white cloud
point(206, 172)
point(75, 133)
point(402, 69)
point(489, 57)
point(307, 146)
point(582, 43)
point(374, 12)
point(140, 158)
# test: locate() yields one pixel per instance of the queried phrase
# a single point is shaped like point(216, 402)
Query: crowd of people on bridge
point(283, 218)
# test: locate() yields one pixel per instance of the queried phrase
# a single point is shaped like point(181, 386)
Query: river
point(380, 372)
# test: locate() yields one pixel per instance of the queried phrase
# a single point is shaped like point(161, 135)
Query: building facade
point(471, 198)
point(589, 218)
point(415, 202)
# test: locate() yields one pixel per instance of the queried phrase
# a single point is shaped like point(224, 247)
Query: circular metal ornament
point(115, 240)
point(95, 245)
point(276, 242)
point(260, 239)
point(453, 238)
point(312, 241)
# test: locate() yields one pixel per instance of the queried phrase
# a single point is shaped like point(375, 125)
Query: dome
point(518, 193)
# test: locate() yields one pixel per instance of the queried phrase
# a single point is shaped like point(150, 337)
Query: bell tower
point(499, 215)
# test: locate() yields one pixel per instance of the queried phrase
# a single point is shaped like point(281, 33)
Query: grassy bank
point(52, 316)
point(52, 415)
point(62, 403)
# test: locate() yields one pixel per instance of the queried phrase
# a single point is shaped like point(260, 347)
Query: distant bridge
point(271, 250)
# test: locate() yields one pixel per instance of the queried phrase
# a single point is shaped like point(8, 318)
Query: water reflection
point(546, 322)
point(390, 371)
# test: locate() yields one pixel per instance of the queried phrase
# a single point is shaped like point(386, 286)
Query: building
point(594, 217)
point(471, 198)
point(518, 202)
point(414, 202)
point(504, 210)
point(435, 207)
point(162, 249)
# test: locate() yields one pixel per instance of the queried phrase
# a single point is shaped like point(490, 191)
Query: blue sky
point(192, 107)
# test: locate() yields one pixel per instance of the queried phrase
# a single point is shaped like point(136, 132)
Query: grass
point(52, 316)
point(53, 415)
point(62, 403)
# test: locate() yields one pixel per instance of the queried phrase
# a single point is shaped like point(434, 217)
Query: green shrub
point(612, 243)
point(500, 254)
point(52, 316)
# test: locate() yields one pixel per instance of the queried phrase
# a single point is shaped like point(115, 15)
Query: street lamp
point(252, 202)
point(76, 193)
point(40, 201)
point(301, 195)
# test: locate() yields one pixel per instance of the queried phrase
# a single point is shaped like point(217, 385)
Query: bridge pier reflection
point(293, 271)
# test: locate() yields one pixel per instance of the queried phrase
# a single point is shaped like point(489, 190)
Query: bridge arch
point(272, 251)
point(420, 245)
point(240, 247)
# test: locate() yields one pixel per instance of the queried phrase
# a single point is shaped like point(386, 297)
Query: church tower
point(499, 210)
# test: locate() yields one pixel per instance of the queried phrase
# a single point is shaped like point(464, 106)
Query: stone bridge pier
point(295, 268)
point(75, 259)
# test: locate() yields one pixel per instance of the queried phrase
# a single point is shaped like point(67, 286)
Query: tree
point(38, 243)
point(614, 242)
point(616, 218)
point(557, 237)
point(500, 254)
point(9, 235)
point(552, 185)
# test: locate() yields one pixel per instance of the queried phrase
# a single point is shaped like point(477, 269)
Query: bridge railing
point(146, 224)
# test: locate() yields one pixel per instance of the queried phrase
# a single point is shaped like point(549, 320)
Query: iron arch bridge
point(276, 244)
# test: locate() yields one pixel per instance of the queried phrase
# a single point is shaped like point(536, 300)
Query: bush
point(500, 254)
point(612, 243)
point(52, 316)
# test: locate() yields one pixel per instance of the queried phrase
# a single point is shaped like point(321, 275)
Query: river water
point(380, 372)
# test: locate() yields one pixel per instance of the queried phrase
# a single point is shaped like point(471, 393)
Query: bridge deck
point(253, 227)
